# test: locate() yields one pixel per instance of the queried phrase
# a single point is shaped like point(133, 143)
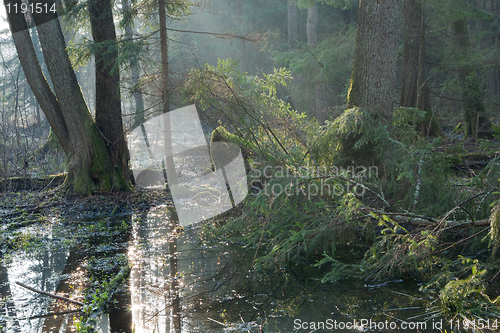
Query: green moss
point(120, 181)
point(352, 137)
point(221, 134)
point(82, 182)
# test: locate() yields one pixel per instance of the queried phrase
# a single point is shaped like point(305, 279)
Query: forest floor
point(24, 208)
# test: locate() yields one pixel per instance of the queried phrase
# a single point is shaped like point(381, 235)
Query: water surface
point(178, 285)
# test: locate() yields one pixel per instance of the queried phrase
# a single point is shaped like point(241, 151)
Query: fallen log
point(421, 221)
point(15, 184)
point(426, 221)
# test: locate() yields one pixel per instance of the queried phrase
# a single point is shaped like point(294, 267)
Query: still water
point(177, 285)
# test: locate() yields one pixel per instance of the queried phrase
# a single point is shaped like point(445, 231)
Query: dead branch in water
point(51, 295)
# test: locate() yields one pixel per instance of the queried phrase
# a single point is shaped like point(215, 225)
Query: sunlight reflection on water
point(175, 285)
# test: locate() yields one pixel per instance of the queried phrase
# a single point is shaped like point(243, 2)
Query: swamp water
point(176, 285)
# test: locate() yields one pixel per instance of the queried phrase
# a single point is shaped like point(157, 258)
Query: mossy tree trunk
point(373, 75)
point(90, 166)
point(476, 122)
point(414, 88)
point(108, 114)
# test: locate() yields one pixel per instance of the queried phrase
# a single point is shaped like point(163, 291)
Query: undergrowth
point(357, 182)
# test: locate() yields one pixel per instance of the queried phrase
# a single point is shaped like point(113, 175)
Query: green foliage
point(453, 10)
point(339, 270)
point(416, 170)
point(398, 252)
point(462, 289)
point(353, 136)
point(331, 59)
point(99, 297)
point(345, 4)
point(404, 116)
point(249, 107)
point(495, 226)
point(422, 173)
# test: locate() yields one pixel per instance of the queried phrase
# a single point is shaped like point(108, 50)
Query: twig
point(355, 183)
point(461, 241)
point(218, 34)
point(462, 203)
point(51, 295)
point(218, 322)
point(440, 67)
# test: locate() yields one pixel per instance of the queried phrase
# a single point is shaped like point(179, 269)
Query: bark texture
point(89, 164)
point(374, 68)
point(412, 12)
point(108, 114)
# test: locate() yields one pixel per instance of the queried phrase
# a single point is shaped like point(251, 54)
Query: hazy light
point(3, 18)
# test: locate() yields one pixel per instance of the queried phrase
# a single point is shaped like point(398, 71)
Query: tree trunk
point(89, 164)
point(108, 111)
point(165, 99)
point(292, 29)
point(33, 73)
point(429, 125)
point(412, 12)
point(134, 67)
point(414, 89)
point(319, 84)
point(243, 45)
point(472, 93)
point(374, 68)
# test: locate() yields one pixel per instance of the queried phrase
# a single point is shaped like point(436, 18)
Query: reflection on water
point(176, 285)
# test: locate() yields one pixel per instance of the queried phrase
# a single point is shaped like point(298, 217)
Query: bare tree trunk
point(319, 84)
point(89, 165)
point(165, 99)
point(412, 12)
point(429, 125)
point(414, 89)
point(15, 82)
point(243, 45)
point(134, 67)
point(476, 123)
point(373, 75)
point(38, 119)
point(292, 29)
